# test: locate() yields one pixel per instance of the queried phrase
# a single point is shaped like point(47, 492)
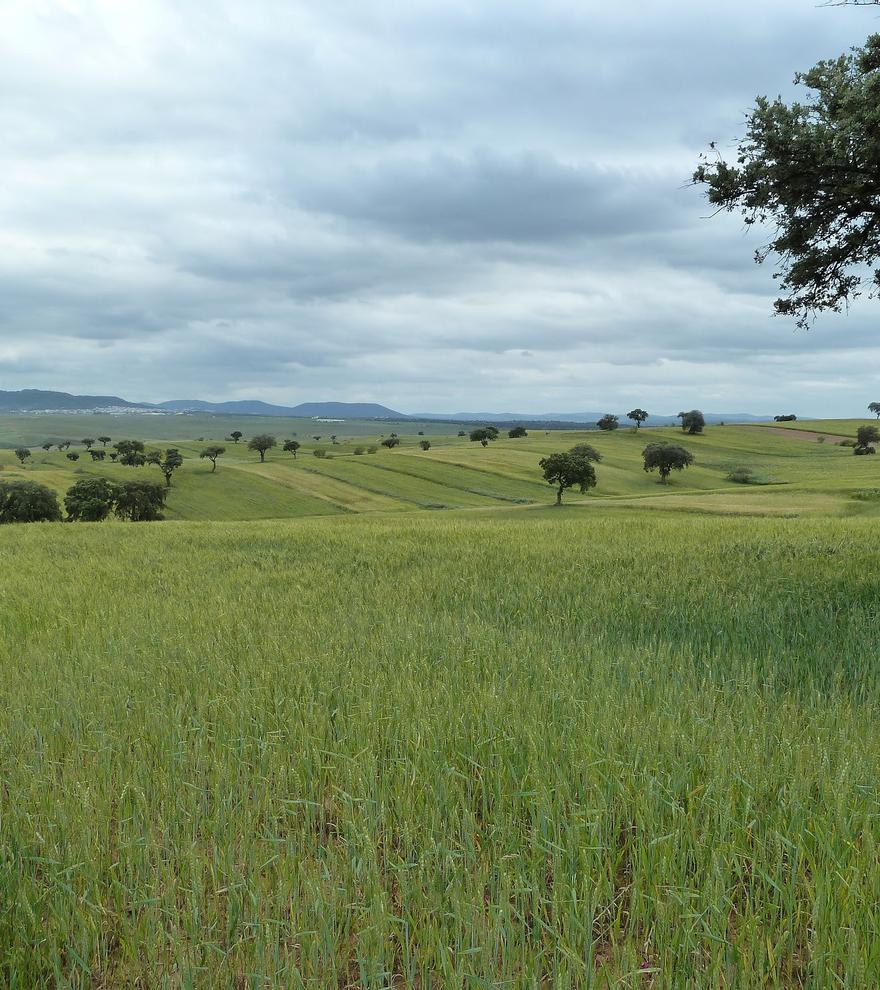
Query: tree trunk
point(559, 496)
point(213, 466)
point(262, 456)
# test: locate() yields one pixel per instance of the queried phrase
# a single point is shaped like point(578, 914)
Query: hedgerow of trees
point(87, 500)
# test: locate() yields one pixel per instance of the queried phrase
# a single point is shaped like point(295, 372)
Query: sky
point(437, 205)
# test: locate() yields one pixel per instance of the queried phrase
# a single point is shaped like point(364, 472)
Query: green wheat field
point(391, 720)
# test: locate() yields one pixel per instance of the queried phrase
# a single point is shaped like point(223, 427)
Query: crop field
point(540, 748)
point(306, 734)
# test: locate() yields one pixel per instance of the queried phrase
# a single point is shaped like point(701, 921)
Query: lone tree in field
point(47, 445)
point(810, 173)
point(139, 501)
point(608, 422)
point(462, 433)
point(866, 437)
point(261, 443)
point(72, 455)
point(98, 455)
point(483, 433)
point(22, 453)
point(874, 407)
point(391, 442)
point(291, 446)
point(517, 432)
point(212, 453)
point(666, 458)
point(692, 422)
point(65, 444)
point(88, 443)
point(586, 450)
point(638, 416)
point(104, 440)
point(167, 463)
point(131, 453)
point(568, 470)
point(90, 500)
point(235, 436)
point(27, 501)
point(425, 444)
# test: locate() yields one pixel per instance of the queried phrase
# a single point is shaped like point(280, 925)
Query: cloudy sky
point(436, 204)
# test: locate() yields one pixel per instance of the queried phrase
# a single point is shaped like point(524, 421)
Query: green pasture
point(596, 746)
point(800, 475)
point(829, 427)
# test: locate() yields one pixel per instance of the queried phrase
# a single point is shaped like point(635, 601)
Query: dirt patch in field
point(794, 434)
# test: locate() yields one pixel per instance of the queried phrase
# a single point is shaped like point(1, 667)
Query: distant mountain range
point(38, 400)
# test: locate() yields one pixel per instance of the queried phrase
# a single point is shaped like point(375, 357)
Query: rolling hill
point(798, 476)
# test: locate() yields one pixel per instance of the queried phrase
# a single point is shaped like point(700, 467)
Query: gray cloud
point(487, 197)
point(432, 205)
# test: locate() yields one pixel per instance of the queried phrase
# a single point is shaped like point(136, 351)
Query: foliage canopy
point(568, 470)
point(27, 501)
point(810, 171)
